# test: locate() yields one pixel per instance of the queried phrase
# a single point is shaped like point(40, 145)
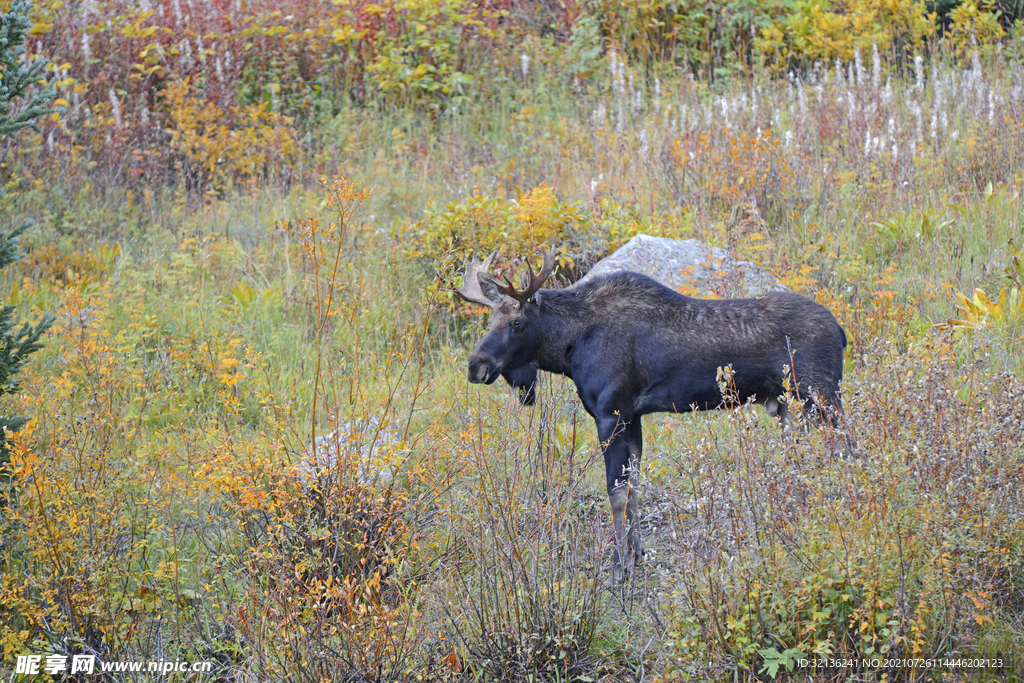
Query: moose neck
point(562, 319)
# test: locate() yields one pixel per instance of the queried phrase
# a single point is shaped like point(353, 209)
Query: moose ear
point(490, 288)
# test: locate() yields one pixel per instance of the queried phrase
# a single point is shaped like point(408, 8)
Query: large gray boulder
point(689, 265)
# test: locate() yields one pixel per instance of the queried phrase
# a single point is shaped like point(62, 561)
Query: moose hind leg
point(619, 498)
point(634, 541)
point(829, 412)
point(826, 411)
point(780, 409)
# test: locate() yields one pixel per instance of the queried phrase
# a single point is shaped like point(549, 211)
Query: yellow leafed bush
point(219, 148)
point(815, 31)
point(517, 228)
point(486, 223)
point(974, 24)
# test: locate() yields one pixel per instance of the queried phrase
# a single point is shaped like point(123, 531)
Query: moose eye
point(517, 323)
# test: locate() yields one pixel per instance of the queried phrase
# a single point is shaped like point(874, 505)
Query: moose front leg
point(622, 443)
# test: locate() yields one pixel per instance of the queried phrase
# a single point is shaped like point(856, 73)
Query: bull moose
point(633, 346)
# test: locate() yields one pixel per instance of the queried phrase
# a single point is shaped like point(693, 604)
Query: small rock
point(362, 444)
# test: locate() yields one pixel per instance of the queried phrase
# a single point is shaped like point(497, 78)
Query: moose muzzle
point(482, 369)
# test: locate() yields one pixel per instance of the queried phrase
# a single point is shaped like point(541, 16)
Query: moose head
point(509, 347)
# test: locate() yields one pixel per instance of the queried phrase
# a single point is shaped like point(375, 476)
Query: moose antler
point(535, 281)
point(471, 290)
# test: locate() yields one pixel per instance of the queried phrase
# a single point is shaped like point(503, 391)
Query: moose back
point(633, 346)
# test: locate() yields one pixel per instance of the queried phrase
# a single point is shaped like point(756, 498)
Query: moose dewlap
point(633, 346)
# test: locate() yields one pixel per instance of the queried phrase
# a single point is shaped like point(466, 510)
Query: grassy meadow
point(250, 231)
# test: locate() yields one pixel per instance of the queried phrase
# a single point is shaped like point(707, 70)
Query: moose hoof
point(638, 550)
point(620, 569)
